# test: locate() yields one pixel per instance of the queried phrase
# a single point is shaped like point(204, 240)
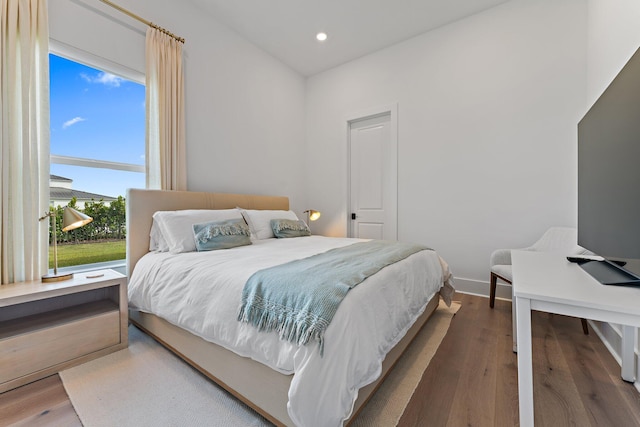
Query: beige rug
point(146, 385)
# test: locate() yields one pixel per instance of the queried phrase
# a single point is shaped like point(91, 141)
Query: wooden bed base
point(255, 384)
point(260, 387)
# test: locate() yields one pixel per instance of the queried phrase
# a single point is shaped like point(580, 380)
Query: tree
point(109, 222)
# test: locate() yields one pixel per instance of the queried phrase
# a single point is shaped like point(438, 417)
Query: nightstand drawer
point(44, 340)
point(48, 327)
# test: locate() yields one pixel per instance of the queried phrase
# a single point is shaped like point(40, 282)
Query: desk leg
point(628, 357)
point(514, 322)
point(525, 362)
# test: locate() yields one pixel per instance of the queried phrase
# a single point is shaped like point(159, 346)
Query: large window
point(97, 124)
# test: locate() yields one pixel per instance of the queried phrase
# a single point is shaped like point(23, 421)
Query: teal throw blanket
point(298, 299)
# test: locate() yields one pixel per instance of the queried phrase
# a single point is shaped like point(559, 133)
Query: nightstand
point(48, 327)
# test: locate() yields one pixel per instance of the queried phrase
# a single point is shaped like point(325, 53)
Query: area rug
point(146, 385)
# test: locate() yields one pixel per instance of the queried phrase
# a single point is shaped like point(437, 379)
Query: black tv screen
point(609, 169)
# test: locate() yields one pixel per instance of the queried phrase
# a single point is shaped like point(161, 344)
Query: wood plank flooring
point(41, 403)
point(471, 381)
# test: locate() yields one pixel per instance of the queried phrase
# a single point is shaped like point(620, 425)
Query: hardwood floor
point(471, 381)
point(41, 403)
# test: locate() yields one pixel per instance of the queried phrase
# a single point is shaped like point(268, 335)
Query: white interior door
point(373, 178)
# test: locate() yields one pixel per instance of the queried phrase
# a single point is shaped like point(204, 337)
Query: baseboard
point(481, 288)
point(609, 334)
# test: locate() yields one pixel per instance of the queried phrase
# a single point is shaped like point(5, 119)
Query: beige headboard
point(142, 204)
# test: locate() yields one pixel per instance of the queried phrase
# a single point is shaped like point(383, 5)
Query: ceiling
point(287, 28)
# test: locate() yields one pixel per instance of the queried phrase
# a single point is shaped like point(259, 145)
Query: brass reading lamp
point(312, 215)
point(71, 219)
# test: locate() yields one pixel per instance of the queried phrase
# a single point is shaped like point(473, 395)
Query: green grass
point(88, 253)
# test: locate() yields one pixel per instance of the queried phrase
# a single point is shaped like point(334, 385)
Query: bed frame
point(255, 384)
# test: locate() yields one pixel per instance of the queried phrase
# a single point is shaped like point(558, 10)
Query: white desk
point(548, 282)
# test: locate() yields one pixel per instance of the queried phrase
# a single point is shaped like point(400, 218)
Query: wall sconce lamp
point(71, 219)
point(312, 215)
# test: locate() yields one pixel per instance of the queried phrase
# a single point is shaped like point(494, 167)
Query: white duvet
point(201, 291)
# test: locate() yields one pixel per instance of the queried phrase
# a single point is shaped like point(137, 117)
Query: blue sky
point(96, 115)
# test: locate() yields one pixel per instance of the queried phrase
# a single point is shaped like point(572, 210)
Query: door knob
point(353, 216)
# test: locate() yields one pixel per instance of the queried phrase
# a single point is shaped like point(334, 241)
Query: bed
point(288, 384)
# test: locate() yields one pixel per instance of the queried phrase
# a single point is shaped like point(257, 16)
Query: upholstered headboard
point(142, 204)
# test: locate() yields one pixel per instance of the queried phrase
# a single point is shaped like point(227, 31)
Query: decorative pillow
point(214, 235)
point(177, 226)
point(260, 221)
point(283, 228)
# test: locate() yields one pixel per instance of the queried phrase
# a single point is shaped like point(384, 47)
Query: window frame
point(83, 57)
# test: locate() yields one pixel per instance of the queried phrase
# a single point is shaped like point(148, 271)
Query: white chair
point(561, 240)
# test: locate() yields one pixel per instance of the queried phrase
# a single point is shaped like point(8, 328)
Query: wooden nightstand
point(48, 327)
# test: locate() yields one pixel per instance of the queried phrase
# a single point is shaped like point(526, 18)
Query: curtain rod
point(144, 21)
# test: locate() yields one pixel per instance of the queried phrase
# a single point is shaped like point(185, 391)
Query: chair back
point(561, 240)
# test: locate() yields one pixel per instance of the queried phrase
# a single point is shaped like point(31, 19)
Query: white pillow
point(157, 242)
point(260, 221)
point(177, 226)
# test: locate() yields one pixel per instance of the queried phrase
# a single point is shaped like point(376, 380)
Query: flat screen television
point(609, 179)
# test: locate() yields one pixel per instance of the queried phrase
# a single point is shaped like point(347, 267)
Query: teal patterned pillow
point(226, 234)
point(289, 228)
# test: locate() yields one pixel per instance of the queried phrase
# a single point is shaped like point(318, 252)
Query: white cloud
point(72, 122)
point(106, 79)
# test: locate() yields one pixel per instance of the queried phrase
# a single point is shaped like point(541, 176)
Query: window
point(97, 123)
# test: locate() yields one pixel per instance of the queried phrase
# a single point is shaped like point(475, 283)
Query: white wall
point(244, 109)
point(613, 37)
point(488, 108)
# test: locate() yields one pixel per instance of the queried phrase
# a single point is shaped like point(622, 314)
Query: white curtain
point(165, 149)
point(24, 143)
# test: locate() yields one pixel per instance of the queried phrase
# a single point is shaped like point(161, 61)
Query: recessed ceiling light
point(321, 36)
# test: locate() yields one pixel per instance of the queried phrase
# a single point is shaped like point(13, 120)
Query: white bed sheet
point(201, 292)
